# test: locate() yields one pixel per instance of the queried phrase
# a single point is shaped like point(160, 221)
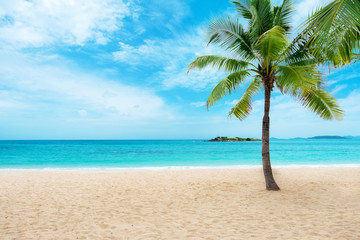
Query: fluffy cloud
point(41, 22)
point(171, 57)
point(196, 80)
point(149, 53)
point(42, 85)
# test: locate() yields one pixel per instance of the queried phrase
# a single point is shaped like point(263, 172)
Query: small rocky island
point(235, 139)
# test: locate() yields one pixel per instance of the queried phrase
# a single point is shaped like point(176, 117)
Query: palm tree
point(333, 32)
point(263, 52)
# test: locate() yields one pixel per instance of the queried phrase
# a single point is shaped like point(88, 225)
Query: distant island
point(239, 139)
point(235, 139)
point(328, 137)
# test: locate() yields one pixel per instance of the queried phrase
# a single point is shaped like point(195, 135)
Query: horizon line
point(164, 139)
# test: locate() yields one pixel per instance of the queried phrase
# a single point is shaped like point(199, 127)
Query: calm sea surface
point(173, 153)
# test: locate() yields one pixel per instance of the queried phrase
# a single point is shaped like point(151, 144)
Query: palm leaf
point(243, 8)
point(219, 62)
point(297, 78)
point(271, 44)
point(282, 14)
point(243, 107)
point(334, 31)
point(227, 86)
point(340, 46)
point(298, 53)
point(230, 35)
point(321, 103)
point(262, 18)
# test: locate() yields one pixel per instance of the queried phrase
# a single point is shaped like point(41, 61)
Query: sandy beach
point(314, 203)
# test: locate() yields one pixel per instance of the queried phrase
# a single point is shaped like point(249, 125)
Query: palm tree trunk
point(269, 178)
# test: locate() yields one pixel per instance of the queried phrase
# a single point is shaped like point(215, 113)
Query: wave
point(173, 168)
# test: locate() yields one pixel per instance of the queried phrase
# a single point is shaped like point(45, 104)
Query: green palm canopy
point(334, 32)
point(260, 51)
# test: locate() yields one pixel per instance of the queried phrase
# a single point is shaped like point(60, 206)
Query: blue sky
point(116, 69)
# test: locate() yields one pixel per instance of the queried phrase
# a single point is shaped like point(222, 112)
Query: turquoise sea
point(154, 154)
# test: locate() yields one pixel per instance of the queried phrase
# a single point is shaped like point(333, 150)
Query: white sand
point(320, 203)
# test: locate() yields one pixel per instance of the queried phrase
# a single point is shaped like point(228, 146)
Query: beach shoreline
point(171, 168)
point(314, 203)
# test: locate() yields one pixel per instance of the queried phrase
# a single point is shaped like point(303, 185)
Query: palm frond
point(282, 14)
point(341, 46)
point(243, 8)
point(298, 53)
point(356, 57)
point(262, 18)
point(230, 35)
point(294, 79)
point(338, 13)
point(227, 86)
point(271, 44)
point(321, 103)
point(219, 62)
point(334, 31)
point(258, 13)
point(243, 107)
point(305, 84)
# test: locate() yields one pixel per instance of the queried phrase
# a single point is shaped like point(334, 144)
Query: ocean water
point(154, 154)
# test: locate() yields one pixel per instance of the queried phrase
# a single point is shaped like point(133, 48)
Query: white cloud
point(160, 12)
point(83, 113)
point(172, 57)
point(39, 86)
point(351, 106)
point(332, 82)
point(42, 22)
point(233, 102)
point(196, 80)
point(198, 104)
point(10, 102)
point(338, 88)
point(148, 53)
